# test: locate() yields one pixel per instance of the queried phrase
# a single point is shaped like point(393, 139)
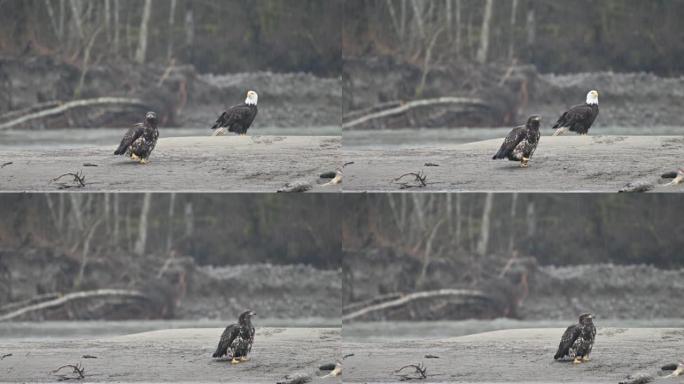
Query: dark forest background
point(216, 36)
point(213, 229)
point(557, 36)
point(482, 231)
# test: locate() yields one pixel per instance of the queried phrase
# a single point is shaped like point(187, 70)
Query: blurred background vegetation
point(556, 36)
point(216, 36)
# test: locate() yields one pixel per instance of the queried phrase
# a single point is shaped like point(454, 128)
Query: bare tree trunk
point(189, 220)
point(115, 212)
point(108, 19)
point(513, 221)
point(393, 16)
point(531, 220)
point(189, 29)
point(458, 221)
point(172, 206)
point(141, 244)
point(172, 23)
point(529, 26)
point(449, 19)
point(62, 16)
point(483, 51)
point(512, 34)
point(402, 23)
point(51, 13)
point(483, 244)
point(76, 210)
point(458, 26)
point(141, 53)
point(117, 27)
point(85, 253)
point(76, 14)
point(107, 212)
point(418, 16)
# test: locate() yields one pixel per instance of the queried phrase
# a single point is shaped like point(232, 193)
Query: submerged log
point(60, 301)
point(462, 103)
point(456, 295)
point(100, 101)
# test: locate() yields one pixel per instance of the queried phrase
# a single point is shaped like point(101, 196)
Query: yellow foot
point(135, 157)
point(578, 360)
point(143, 161)
point(524, 163)
point(244, 358)
point(235, 361)
point(585, 358)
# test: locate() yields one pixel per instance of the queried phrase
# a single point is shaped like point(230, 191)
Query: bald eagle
point(239, 118)
point(580, 117)
point(238, 338)
point(140, 140)
point(521, 142)
point(578, 340)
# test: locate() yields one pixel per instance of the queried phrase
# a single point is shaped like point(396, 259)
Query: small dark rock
point(328, 175)
point(327, 367)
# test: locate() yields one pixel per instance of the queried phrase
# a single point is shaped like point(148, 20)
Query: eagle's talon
point(135, 157)
point(143, 161)
point(235, 361)
point(244, 358)
point(578, 360)
point(585, 358)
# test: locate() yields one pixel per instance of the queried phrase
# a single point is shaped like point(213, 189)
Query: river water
point(439, 136)
point(56, 330)
point(79, 137)
point(398, 330)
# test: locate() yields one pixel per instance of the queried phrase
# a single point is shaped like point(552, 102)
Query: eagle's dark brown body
point(578, 340)
point(237, 338)
point(521, 142)
point(140, 140)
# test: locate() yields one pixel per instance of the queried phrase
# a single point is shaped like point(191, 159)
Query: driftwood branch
point(98, 293)
point(419, 372)
point(77, 372)
point(460, 293)
point(461, 101)
point(71, 105)
point(419, 180)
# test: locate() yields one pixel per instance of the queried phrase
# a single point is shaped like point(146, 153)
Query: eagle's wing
point(227, 337)
point(576, 113)
point(571, 334)
point(133, 133)
point(233, 114)
point(510, 142)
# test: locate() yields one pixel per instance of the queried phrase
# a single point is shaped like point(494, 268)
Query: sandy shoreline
point(560, 164)
point(179, 355)
point(228, 163)
point(524, 355)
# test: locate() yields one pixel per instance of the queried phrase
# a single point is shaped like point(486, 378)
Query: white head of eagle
point(252, 98)
point(592, 97)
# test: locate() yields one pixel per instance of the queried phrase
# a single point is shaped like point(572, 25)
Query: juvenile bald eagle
point(239, 118)
point(578, 340)
point(580, 117)
point(238, 338)
point(521, 142)
point(140, 140)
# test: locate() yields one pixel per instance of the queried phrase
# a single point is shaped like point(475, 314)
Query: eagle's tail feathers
point(560, 131)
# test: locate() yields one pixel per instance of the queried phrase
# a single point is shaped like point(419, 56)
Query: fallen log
point(25, 111)
point(462, 101)
point(98, 293)
point(460, 293)
point(35, 299)
point(71, 105)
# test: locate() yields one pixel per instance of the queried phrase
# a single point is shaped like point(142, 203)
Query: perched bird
point(140, 140)
point(238, 338)
point(238, 118)
point(521, 142)
point(578, 340)
point(580, 117)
